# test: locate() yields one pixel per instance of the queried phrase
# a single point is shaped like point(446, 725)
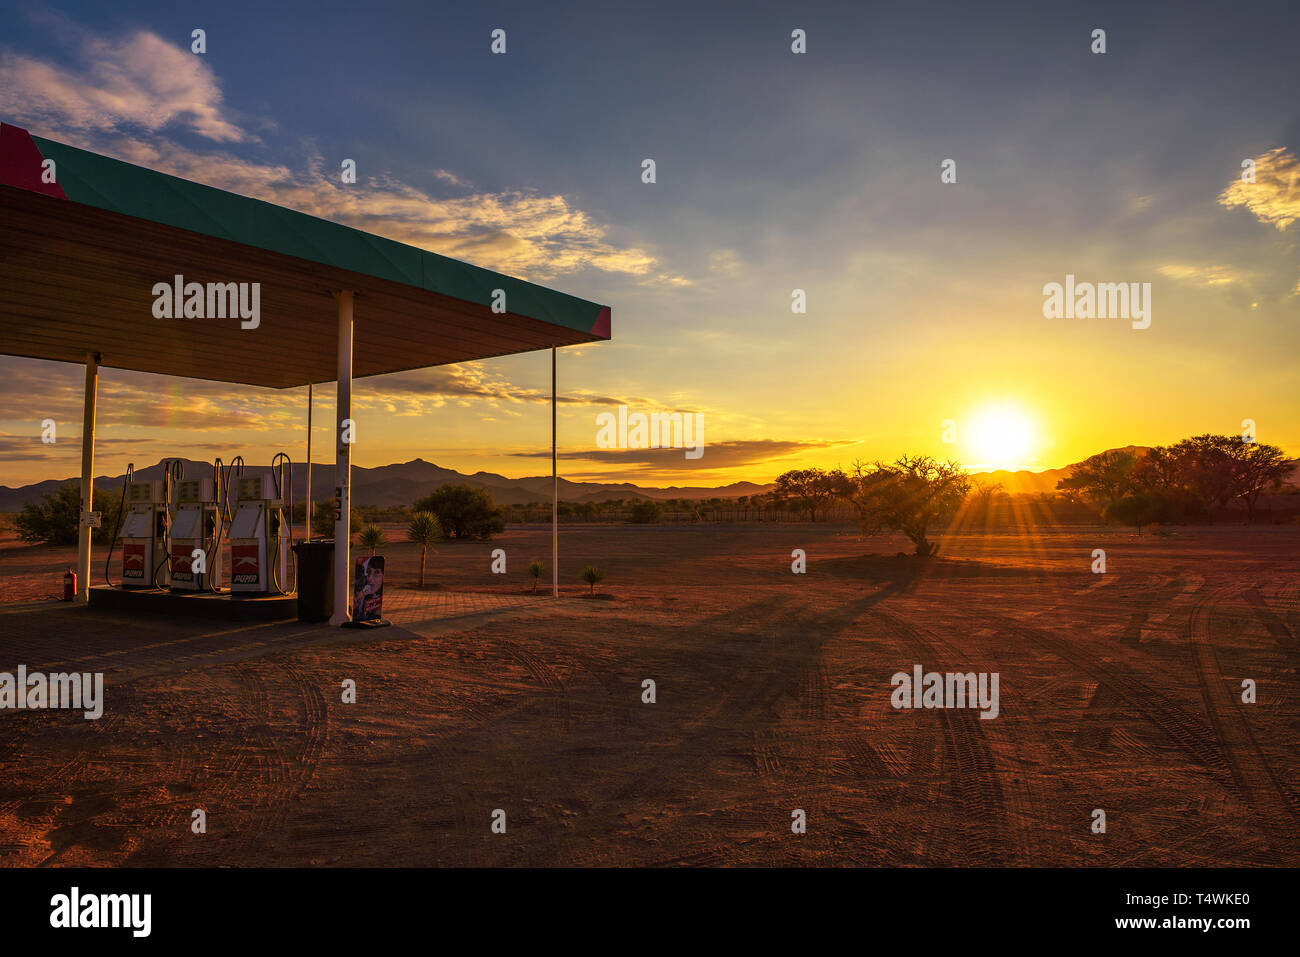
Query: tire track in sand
point(975, 780)
point(1256, 780)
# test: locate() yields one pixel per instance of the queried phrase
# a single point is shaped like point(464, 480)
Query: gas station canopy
point(80, 256)
point(85, 241)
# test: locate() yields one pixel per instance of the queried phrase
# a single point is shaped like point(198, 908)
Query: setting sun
point(1001, 436)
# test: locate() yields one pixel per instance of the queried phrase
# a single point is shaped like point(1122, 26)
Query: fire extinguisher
point(69, 585)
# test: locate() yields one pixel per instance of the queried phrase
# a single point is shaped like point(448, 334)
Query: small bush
point(56, 518)
point(322, 520)
point(645, 512)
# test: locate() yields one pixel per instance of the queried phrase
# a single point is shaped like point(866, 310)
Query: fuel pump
point(282, 473)
point(117, 524)
point(197, 525)
point(143, 532)
point(259, 537)
point(173, 471)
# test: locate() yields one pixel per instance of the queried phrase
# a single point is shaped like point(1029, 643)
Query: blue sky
point(775, 171)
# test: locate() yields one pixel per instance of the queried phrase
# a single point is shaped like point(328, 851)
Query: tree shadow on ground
point(905, 569)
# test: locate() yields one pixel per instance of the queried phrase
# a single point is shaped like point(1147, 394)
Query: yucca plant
point(425, 531)
point(591, 574)
point(372, 536)
point(537, 569)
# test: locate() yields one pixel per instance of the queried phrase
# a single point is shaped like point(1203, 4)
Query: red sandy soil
point(1118, 691)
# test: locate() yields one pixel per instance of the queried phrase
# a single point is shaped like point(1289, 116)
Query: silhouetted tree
point(1206, 467)
point(810, 490)
point(1261, 468)
point(907, 496)
point(984, 495)
point(1101, 479)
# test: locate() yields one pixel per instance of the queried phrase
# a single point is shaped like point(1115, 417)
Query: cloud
point(519, 232)
point(125, 92)
point(1204, 275)
point(136, 80)
point(717, 455)
point(141, 400)
point(1274, 197)
point(725, 262)
point(144, 400)
point(30, 448)
point(412, 393)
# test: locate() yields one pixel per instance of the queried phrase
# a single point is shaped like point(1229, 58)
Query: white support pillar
point(555, 495)
point(89, 400)
point(343, 462)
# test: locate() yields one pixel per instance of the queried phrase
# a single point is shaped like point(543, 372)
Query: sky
point(925, 329)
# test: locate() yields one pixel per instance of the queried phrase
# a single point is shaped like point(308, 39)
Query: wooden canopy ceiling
point(78, 270)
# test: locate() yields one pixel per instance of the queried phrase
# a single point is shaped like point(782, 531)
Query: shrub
point(55, 518)
point(645, 512)
point(464, 512)
point(322, 520)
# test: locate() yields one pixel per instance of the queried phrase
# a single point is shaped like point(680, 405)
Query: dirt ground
point(1119, 691)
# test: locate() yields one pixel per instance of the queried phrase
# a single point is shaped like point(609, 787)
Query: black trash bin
point(315, 580)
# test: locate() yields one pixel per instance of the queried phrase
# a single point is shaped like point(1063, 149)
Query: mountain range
point(402, 483)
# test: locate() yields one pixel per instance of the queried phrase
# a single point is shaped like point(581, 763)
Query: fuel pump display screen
point(186, 524)
point(138, 525)
point(247, 520)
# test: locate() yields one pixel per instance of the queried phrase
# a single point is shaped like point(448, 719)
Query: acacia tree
point(1102, 478)
point(1160, 468)
point(1261, 468)
point(907, 496)
point(1207, 467)
point(811, 490)
point(984, 495)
